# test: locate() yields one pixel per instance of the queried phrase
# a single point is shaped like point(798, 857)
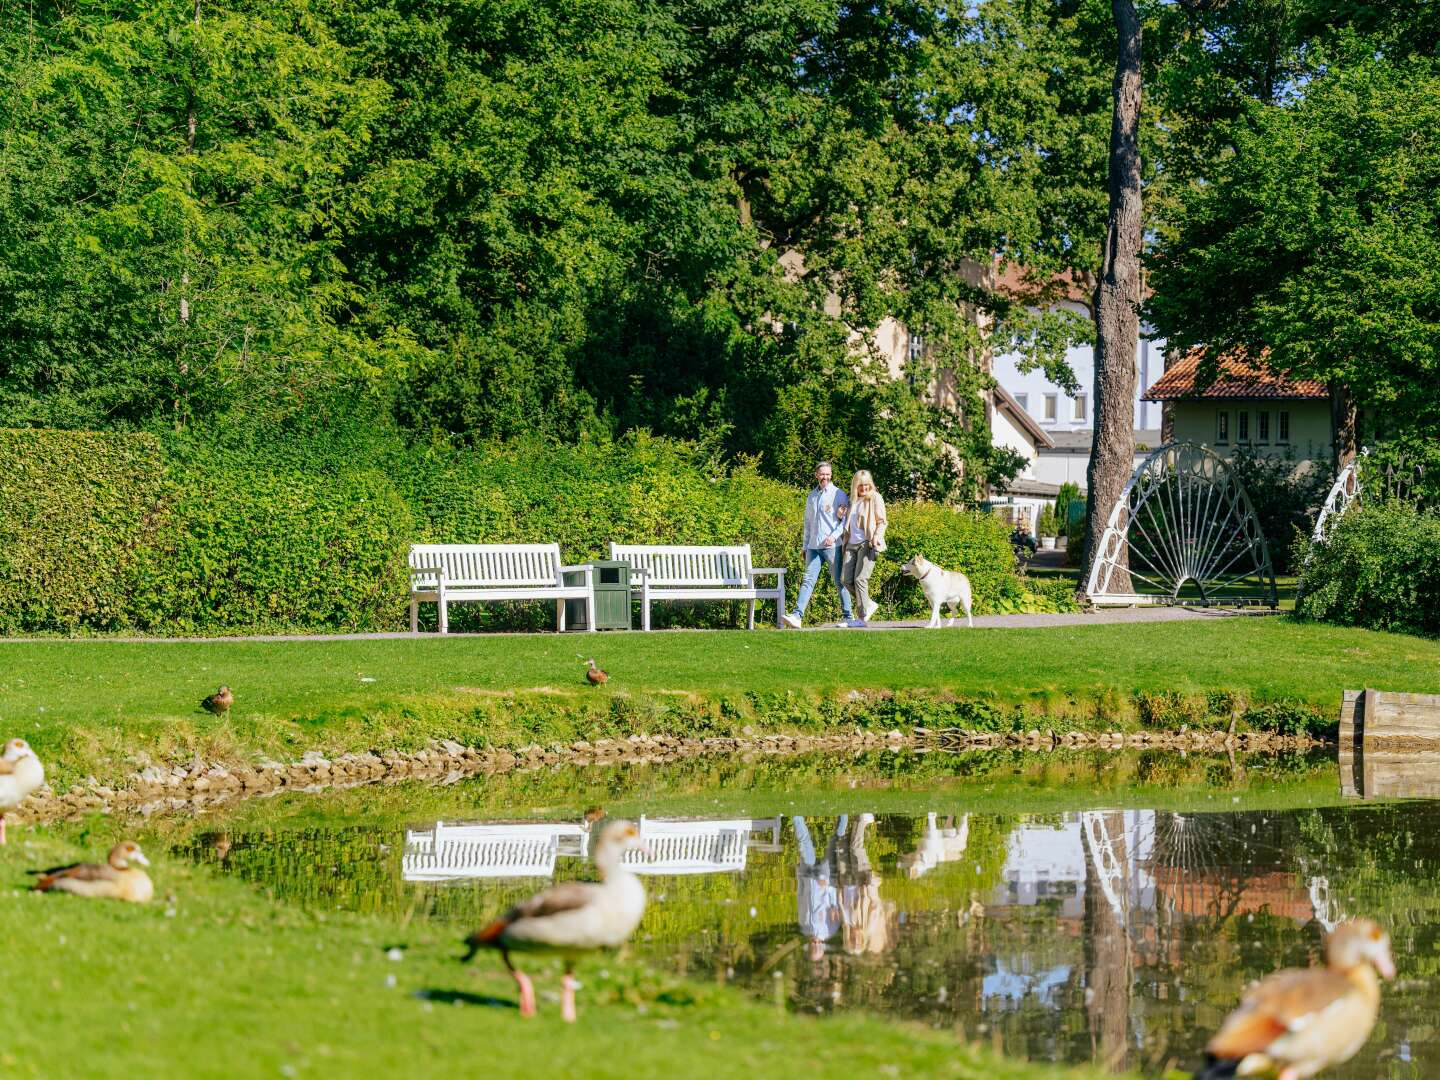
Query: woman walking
point(864, 541)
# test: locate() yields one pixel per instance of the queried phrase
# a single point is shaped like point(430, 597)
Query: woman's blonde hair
point(860, 474)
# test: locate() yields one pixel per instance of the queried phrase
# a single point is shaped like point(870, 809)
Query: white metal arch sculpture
point(1343, 493)
point(1182, 520)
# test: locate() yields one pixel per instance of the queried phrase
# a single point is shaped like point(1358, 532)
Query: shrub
point(1289, 718)
point(1285, 501)
point(1378, 568)
point(1069, 492)
point(1048, 524)
point(115, 532)
point(251, 544)
point(74, 506)
point(975, 543)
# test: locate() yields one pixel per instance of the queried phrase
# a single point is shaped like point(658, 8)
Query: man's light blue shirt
point(824, 515)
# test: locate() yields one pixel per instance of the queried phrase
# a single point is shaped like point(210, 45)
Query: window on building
point(1242, 426)
point(1222, 427)
point(917, 347)
point(1081, 404)
point(1023, 400)
point(1282, 426)
point(1262, 426)
point(1052, 406)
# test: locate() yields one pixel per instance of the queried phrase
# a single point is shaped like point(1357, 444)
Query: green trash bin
point(612, 597)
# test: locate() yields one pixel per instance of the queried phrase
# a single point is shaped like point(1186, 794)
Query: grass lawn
point(81, 702)
point(214, 979)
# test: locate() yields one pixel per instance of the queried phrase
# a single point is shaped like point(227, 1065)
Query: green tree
point(1318, 238)
point(174, 178)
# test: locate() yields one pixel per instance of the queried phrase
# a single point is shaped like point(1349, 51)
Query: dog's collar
point(927, 573)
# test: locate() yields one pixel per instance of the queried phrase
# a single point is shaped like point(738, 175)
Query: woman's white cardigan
point(872, 523)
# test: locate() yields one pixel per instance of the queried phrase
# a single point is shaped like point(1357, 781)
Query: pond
point(1065, 908)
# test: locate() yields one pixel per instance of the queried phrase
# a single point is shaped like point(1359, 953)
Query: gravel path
point(989, 622)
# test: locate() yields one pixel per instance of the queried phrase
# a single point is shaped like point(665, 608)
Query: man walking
point(824, 525)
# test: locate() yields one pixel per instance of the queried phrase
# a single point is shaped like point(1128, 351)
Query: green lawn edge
point(97, 707)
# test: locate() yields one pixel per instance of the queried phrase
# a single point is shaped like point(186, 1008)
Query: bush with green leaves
point(1379, 567)
point(1286, 500)
point(74, 507)
point(311, 533)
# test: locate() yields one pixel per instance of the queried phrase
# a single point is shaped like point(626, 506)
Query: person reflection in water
point(817, 898)
point(864, 915)
point(839, 892)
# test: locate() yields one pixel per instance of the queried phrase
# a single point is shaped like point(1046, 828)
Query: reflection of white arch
point(1108, 867)
point(1183, 517)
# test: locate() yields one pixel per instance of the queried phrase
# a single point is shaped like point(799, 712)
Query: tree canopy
point(1308, 219)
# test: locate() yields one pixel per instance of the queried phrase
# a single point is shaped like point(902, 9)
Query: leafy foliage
point(74, 507)
point(1379, 567)
point(1285, 501)
point(1308, 223)
point(112, 531)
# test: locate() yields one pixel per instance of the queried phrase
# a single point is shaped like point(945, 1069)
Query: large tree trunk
point(1343, 424)
point(1117, 297)
point(1106, 949)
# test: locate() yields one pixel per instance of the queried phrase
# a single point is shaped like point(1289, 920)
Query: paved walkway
point(1104, 615)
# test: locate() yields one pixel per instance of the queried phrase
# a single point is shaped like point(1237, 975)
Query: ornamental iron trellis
point(1373, 480)
point(1344, 492)
point(1182, 532)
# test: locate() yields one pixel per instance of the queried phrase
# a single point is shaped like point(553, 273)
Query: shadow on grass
point(463, 997)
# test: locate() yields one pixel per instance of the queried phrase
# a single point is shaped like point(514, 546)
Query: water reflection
point(1115, 937)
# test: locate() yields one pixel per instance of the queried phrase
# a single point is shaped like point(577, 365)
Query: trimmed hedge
point(1379, 567)
point(74, 508)
point(193, 538)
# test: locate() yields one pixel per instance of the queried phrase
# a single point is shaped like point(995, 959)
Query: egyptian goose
point(571, 919)
point(596, 676)
point(21, 775)
point(116, 879)
point(219, 702)
point(1297, 1022)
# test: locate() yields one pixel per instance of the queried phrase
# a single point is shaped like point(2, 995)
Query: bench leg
point(590, 611)
point(444, 606)
point(750, 622)
point(414, 616)
point(560, 616)
point(780, 601)
point(645, 609)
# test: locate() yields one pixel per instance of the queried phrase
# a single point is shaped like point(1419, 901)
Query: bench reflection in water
point(450, 852)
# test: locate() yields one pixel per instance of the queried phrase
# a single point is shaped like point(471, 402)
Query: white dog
point(941, 587)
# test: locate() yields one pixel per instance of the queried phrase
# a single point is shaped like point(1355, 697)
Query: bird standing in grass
point(118, 878)
point(1296, 1022)
point(596, 676)
point(571, 919)
point(21, 775)
point(219, 702)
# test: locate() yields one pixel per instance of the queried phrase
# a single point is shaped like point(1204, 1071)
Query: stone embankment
point(159, 788)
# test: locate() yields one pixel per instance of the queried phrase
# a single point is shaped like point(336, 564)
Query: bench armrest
point(437, 572)
point(756, 571)
point(583, 568)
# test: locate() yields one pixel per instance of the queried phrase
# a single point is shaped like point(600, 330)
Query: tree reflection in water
point(1116, 937)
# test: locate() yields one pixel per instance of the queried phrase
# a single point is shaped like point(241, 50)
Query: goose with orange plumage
point(1295, 1023)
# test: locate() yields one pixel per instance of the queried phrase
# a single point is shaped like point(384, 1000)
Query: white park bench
point(487, 851)
point(691, 847)
point(445, 574)
point(666, 572)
